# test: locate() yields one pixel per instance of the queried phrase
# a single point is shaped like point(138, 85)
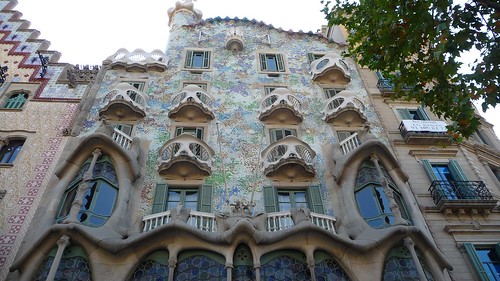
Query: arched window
point(154, 267)
point(281, 265)
point(243, 264)
point(373, 203)
point(16, 101)
point(399, 265)
point(9, 152)
point(99, 200)
point(200, 265)
point(326, 268)
point(73, 266)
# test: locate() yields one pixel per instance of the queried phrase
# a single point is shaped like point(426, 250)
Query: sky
point(87, 32)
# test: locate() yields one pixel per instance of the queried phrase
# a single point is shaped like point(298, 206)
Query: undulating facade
point(240, 152)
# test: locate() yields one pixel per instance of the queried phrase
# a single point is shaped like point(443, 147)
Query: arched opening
point(399, 265)
point(327, 268)
point(153, 267)
point(73, 266)
point(243, 264)
point(280, 265)
point(200, 265)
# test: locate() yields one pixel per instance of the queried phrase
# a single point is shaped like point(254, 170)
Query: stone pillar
point(389, 193)
point(229, 270)
point(310, 265)
point(171, 269)
point(410, 245)
point(62, 243)
point(257, 272)
point(82, 189)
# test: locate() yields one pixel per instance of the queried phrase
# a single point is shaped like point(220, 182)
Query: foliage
point(418, 44)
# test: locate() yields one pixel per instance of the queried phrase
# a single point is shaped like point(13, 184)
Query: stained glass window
point(243, 264)
point(100, 197)
point(281, 265)
point(73, 266)
point(327, 269)
point(200, 266)
point(399, 265)
point(154, 267)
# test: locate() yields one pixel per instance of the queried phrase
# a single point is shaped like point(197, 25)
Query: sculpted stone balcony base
point(192, 104)
point(330, 68)
point(344, 109)
point(280, 106)
point(126, 103)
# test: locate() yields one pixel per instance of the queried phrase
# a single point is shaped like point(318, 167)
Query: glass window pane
point(284, 201)
point(271, 63)
point(366, 203)
point(300, 199)
point(198, 60)
point(105, 200)
point(174, 198)
point(382, 199)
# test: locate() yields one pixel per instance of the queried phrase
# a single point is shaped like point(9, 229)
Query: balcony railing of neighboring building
point(125, 103)
point(289, 151)
point(279, 100)
point(350, 143)
point(344, 103)
point(121, 138)
point(192, 96)
point(465, 195)
point(330, 68)
point(424, 132)
point(276, 221)
point(386, 87)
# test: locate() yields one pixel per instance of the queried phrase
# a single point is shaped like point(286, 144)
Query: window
point(133, 94)
point(413, 114)
point(9, 152)
point(485, 259)
point(197, 59)
point(196, 198)
point(154, 267)
point(73, 265)
point(100, 198)
point(314, 56)
point(269, 89)
point(16, 101)
point(344, 135)
point(194, 131)
point(447, 174)
point(399, 265)
point(373, 203)
point(204, 86)
point(331, 92)
point(272, 63)
point(277, 134)
point(277, 200)
point(126, 129)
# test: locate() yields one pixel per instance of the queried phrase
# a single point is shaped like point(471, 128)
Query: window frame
point(263, 63)
point(9, 96)
point(312, 56)
point(403, 113)
point(337, 89)
point(204, 85)
point(273, 128)
point(160, 198)
point(476, 259)
point(314, 202)
point(13, 155)
point(188, 60)
point(268, 88)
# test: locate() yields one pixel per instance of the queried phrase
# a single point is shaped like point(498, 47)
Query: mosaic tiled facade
point(242, 152)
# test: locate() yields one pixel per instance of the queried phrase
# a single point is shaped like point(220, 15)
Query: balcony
point(124, 103)
point(274, 222)
point(185, 157)
point(330, 68)
point(462, 195)
point(288, 159)
point(281, 107)
point(122, 139)
point(424, 132)
point(344, 109)
point(386, 87)
point(192, 104)
point(349, 144)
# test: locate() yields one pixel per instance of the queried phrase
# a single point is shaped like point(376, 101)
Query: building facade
point(246, 152)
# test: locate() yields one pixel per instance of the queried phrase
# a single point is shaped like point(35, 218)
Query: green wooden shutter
point(310, 57)
point(404, 113)
point(314, 199)
point(423, 113)
point(428, 169)
point(456, 171)
point(205, 202)
point(280, 63)
point(263, 62)
point(189, 59)
point(379, 75)
point(206, 59)
point(476, 262)
point(160, 199)
point(270, 199)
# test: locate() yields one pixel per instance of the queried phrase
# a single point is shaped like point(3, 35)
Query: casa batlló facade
point(241, 152)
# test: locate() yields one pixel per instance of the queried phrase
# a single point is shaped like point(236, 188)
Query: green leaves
point(423, 41)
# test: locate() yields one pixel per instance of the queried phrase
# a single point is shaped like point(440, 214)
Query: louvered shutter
point(476, 262)
point(206, 59)
point(456, 171)
point(205, 203)
point(160, 198)
point(428, 169)
point(270, 199)
point(423, 113)
point(404, 113)
point(314, 199)
point(263, 62)
point(189, 59)
point(280, 63)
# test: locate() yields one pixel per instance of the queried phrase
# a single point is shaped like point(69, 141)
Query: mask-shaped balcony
point(124, 102)
point(185, 157)
point(330, 68)
point(280, 106)
point(192, 104)
point(288, 159)
point(344, 109)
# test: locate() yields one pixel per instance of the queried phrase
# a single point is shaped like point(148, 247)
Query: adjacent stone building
point(242, 152)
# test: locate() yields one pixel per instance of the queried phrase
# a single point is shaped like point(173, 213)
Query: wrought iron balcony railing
point(461, 192)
